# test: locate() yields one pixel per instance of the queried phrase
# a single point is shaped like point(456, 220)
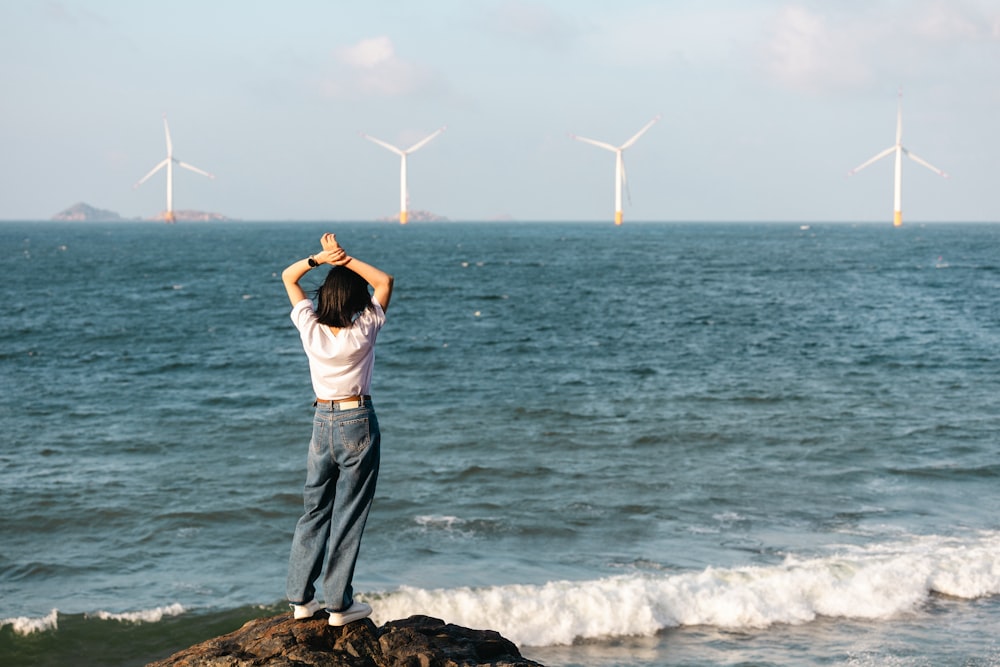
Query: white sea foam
point(448, 524)
point(872, 582)
point(142, 616)
point(26, 626)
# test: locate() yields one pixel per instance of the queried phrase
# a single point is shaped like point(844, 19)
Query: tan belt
point(349, 403)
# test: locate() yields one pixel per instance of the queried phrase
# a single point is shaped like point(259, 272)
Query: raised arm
point(377, 278)
point(294, 272)
point(333, 254)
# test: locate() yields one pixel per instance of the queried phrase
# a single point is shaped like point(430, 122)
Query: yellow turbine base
point(618, 217)
point(168, 216)
point(403, 216)
point(897, 219)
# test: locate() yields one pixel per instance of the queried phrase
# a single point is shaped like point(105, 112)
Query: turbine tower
point(404, 196)
point(619, 162)
point(168, 162)
point(900, 151)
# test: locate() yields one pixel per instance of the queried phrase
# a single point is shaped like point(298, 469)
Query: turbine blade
point(594, 142)
point(887, 151)
point(155, 169)
point(640, 132)
point(383, 144)
point(925, 163)
point(423, 142)
point(899, 116)
point(193, 168)
point(166, 129)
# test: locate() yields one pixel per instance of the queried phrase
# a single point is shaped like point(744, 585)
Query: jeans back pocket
point(355, 434)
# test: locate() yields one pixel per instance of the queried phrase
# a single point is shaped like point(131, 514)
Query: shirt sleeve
point(303, 314)
point(379, 311)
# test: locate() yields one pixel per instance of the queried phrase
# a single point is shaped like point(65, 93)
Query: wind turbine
point(168, 162)
point(619, 162)
point(404, 196)
point(900, 151)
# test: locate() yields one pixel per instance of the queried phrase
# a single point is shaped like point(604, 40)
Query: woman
point(338, 336)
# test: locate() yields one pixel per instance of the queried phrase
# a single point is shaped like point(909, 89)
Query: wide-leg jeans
point(342, 469)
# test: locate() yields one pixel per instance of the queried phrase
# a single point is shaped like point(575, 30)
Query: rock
point(188, 215)
point(416, 216)
point(418, 641)
point(86, 213)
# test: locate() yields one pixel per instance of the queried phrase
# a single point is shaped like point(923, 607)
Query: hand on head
point(334, 256)
point(332, 253)
point(329, 241)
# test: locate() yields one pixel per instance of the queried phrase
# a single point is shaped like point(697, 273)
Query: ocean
point(655, 444)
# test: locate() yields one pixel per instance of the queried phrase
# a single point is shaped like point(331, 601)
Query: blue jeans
point(342, 469)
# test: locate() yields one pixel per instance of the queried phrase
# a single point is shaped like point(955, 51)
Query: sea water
point(659, 444)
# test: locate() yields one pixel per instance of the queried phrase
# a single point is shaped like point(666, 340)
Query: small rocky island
point(415, 216)
point(82, 212)
point(188, 215)
point(418, 641)
point(86, 213)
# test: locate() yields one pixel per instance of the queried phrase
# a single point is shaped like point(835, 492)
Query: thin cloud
point(836, 49)
point(57, 12)
point(807, 50)
point(533, 24)
point(945, 23)
point(368, 53)
point(371, 68)
point(662, 35)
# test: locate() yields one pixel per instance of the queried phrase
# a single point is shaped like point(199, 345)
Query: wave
point(142, 616)
point(106, 639)
point(872, 582)
point(23, 625)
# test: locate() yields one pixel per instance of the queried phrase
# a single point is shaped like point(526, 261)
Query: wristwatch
point(312, 262)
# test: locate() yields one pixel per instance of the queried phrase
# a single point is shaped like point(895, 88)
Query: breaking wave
point(872, 582)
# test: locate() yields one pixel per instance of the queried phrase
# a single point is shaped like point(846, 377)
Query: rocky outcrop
point(86, 213)
point(188, 215)
point(418, 641)
point(416, 216)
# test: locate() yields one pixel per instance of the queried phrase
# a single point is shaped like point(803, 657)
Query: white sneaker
point(355, 612)
point(308, 610)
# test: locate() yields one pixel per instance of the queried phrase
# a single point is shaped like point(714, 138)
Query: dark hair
point(341, 297)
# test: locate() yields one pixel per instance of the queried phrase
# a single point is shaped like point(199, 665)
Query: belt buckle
point(348, 405)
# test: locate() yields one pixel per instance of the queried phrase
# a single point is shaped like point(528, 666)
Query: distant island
point(416, 216)
point(86, 213)
point(188, 215)
point(82, 212)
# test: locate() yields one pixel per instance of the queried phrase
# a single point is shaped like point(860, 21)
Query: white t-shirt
point(340, 365)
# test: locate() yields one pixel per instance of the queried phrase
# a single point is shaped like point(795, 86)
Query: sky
point(765, 106)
